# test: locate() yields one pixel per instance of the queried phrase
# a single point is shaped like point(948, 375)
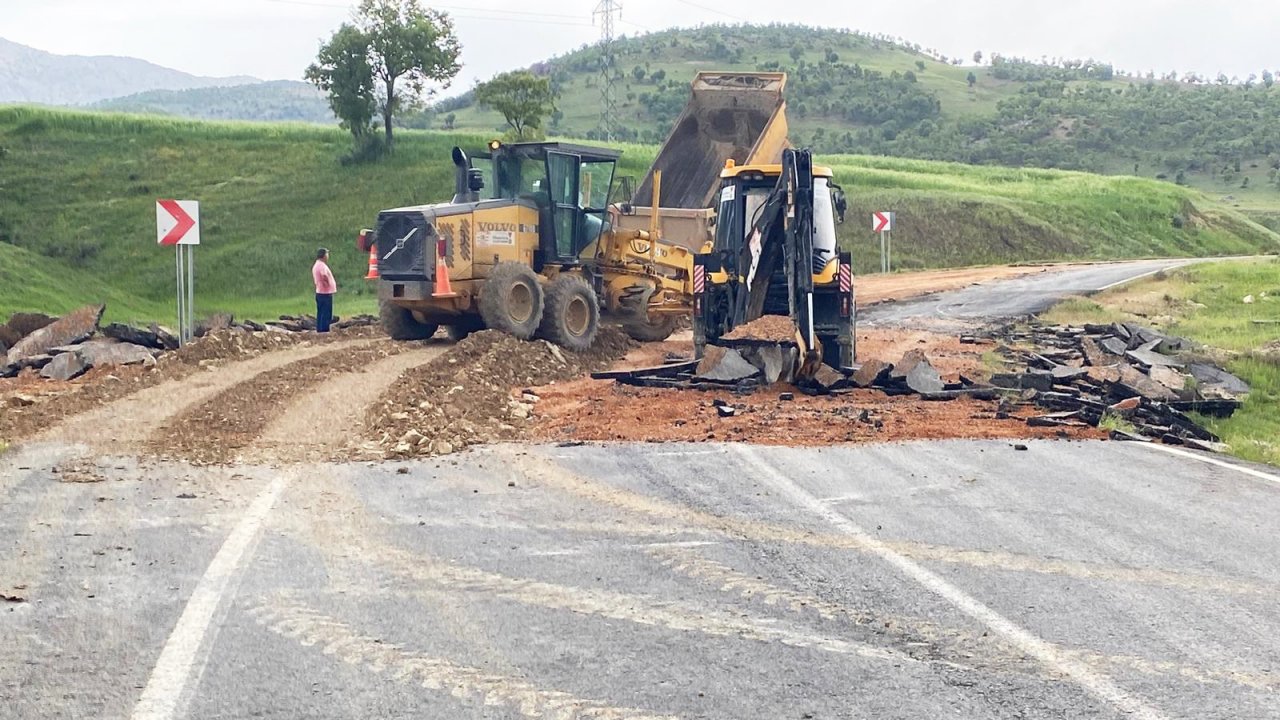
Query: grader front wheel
point(572, 316)
point(512, 300)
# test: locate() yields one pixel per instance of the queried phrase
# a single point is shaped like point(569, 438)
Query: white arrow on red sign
point(882, 222)
point(178, 222)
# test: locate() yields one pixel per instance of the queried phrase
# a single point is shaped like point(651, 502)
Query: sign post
point(882, 222)
point(178, 224)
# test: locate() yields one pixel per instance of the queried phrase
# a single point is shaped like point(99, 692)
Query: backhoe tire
point(652, 328)
point(572, 316)
point(511, 300)
point(400, 323)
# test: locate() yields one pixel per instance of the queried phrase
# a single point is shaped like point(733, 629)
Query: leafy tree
point(523, 99)
point(638, 73)
point(449, 120)
point(342, 70)
point(977, 57)
point(920, 65)
point(1268, 79)
point(796, 53)
point(410, 46)
point(972, 79)
point(658, 76)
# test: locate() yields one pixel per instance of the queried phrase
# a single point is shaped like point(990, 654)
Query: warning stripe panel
point(846, 278)
point(699, 278)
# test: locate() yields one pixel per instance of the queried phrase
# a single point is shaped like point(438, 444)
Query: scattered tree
point(920, 65)
point(977, 57)
point(1268, 79)
point(449, 120)
point(523, 98)
point(343, 71)
point(796, 53)
point(638, 73)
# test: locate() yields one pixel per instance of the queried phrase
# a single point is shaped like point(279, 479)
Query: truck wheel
point(511, 300)
point(572, 317)
point(400, 323)
point(652, 328)
point(459, 331)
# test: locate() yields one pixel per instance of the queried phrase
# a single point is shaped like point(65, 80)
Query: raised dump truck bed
point(730, 116)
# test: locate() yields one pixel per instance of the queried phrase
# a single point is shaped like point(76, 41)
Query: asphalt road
point(951, 579)
point(1012, 298)
point(955, 579)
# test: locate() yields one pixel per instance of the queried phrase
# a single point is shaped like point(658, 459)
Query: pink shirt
point(325, 284)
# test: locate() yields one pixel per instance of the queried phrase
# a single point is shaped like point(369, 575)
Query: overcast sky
point(274, 39)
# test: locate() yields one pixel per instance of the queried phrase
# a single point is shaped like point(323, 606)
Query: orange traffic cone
point(373, 264)
point(443, 289)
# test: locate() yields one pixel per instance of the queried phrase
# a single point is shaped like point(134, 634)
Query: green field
point(77, 218)
point(1204, 302)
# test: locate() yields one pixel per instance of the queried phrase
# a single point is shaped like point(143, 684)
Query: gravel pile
point(469, 395)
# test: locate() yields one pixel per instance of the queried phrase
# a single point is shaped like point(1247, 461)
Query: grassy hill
point(35, 76)
point(855, 93)
point(273, 101)
point(77, 218)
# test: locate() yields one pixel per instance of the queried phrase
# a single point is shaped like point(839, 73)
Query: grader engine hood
point(406, 240)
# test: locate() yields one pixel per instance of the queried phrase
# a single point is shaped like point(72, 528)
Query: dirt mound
point(769, 328)
point(465, 397)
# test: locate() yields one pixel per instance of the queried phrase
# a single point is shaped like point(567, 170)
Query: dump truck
point(730, 116)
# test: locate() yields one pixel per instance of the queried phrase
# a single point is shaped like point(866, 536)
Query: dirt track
point(359, 396)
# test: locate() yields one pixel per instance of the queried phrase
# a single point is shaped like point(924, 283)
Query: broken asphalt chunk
point(1040, 381)
point(67, 330)
point(1147, 355)
point(65, 366)
point(872, 372)
point(726, 365)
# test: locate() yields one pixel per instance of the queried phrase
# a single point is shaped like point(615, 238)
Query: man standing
point(326, 286)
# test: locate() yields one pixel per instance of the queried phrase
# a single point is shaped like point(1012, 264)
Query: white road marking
point(173, 672)
point(1135, 278)
point(1212, 461)
point(1051, 656)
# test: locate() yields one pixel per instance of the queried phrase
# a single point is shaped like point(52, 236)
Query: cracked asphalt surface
point(962, 579)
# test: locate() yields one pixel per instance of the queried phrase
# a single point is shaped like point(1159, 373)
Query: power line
point(713, 10)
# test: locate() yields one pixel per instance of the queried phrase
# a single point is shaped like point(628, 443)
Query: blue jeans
point(324, 311)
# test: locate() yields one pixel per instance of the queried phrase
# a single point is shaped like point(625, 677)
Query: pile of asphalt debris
point(1135, 380)
point(744, 366)
point(63, 348)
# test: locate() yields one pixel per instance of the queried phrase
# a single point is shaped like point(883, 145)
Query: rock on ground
point(67, 330)
point(65, 366)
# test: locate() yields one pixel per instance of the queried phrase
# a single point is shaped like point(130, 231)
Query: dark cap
point(321, 253)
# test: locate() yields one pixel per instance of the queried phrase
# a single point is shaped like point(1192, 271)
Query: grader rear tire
point(512, 300)
point(653, 328)
point(400, 323)
point(572, 316)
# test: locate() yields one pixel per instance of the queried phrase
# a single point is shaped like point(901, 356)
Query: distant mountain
point(287, 100)
point(28, 75)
